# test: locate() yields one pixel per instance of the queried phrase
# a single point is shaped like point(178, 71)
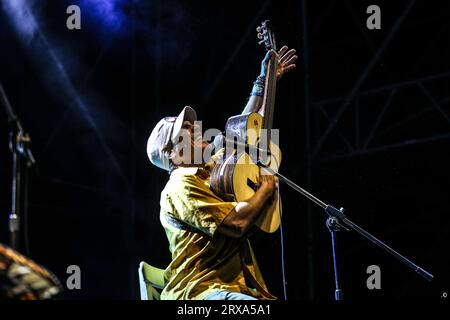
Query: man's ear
point(175, 157)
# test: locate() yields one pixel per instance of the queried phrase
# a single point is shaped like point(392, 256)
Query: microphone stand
point(337, 221)
point(19, 142)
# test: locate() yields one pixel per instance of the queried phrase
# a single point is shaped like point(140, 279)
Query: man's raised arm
point(286, 59)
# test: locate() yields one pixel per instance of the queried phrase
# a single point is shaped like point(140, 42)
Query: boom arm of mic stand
point(342, 219)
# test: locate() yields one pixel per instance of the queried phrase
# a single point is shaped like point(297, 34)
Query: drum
point(23, 279)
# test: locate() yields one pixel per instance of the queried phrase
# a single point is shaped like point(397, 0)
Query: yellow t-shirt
point(204, 261)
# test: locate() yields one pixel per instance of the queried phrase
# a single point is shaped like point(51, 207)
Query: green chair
point(151, 281)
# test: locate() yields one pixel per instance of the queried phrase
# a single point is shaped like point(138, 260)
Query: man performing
point(208, 237)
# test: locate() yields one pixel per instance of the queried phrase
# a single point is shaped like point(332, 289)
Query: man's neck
point(185, 165)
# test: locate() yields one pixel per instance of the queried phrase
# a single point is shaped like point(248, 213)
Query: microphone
point(220, 142)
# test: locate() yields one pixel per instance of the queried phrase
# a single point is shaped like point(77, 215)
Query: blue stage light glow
point(20, 13)
point(109, 15)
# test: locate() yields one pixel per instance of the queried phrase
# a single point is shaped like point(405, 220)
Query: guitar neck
point(269, 94)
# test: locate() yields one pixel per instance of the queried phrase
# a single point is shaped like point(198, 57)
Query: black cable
point(283, 271)
point(25, 210)
point(283, 267)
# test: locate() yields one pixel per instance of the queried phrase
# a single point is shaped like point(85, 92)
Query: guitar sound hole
point(252, 185)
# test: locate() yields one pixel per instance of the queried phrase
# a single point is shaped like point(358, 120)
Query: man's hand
point(286, 59)
point(268, 183)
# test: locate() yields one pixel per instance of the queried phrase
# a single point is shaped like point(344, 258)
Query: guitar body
point(236, 178)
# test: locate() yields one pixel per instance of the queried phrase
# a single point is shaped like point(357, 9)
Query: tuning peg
point(258, 29)
point(259, 35)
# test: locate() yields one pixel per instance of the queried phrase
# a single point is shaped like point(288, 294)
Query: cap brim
point(187, 114)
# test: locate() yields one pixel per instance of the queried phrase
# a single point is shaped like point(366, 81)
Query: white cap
point(164, 135)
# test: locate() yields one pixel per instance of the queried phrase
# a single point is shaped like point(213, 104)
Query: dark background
point(89, 99)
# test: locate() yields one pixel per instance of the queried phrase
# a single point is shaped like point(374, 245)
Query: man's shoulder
point(182, 178)
point(184, 172)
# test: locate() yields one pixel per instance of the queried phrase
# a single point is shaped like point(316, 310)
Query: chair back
point(151, 281)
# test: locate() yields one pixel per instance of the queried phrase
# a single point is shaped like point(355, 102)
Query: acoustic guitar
point(236, 177)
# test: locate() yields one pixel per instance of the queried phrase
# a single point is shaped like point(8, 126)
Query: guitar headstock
point(266, 35)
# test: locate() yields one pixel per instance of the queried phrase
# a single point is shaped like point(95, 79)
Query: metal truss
point(336, 128)
point(355, 144)
point(351, 99)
